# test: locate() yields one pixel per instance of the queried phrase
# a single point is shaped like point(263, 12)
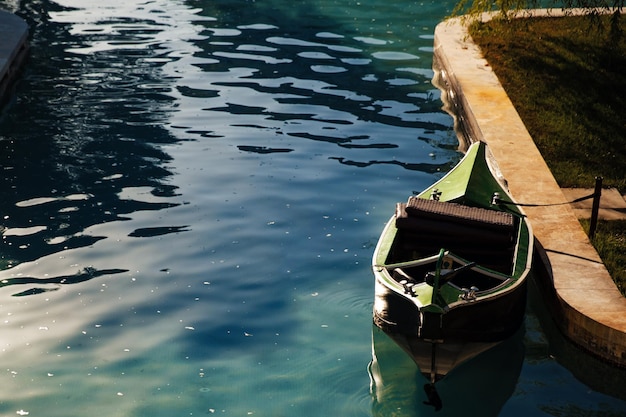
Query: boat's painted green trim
point(524, 250)
point(386, 241)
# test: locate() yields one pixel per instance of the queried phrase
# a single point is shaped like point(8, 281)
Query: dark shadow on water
point(158, 231)
point(81, 276)
point(430, 168)
point(263, 149)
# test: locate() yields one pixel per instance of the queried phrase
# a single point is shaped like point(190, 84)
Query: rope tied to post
point(596, 195)
point(496, 200)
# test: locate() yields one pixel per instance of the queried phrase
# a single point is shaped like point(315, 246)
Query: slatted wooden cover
point(441, 210)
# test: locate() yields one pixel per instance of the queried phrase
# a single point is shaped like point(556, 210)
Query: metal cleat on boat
point(495, 199)
point(468, 294)
point(408, 287)
point(435, 195)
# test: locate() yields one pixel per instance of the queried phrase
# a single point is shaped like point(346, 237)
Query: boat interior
point(485, 237)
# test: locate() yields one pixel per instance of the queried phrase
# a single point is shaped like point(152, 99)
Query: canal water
point(191, 192)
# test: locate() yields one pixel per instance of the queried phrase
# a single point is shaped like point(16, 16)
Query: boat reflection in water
point(476, 383)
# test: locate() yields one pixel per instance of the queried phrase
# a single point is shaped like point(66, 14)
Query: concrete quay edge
point(584, 301)
point(13, 50)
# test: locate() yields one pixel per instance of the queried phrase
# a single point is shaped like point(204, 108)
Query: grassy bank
point(610, 241)
point(568, 84)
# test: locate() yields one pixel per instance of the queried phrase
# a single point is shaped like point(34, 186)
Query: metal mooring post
point(597, 193)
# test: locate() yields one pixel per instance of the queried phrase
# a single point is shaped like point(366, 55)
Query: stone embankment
point(582, 297)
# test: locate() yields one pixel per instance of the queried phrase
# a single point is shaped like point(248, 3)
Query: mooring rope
point(498, 200)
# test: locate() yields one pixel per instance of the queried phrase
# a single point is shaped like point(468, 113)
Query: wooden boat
point(451, 264)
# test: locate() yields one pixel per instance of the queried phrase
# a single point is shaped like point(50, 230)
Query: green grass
point(568, 83)
point(610, 241)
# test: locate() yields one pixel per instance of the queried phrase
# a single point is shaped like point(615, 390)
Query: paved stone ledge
point(13, 50)
point(583, 298)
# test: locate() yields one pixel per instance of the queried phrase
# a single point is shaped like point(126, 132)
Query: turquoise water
point(191, 194)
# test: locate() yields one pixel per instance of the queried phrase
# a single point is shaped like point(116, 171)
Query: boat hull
point(486, 321)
